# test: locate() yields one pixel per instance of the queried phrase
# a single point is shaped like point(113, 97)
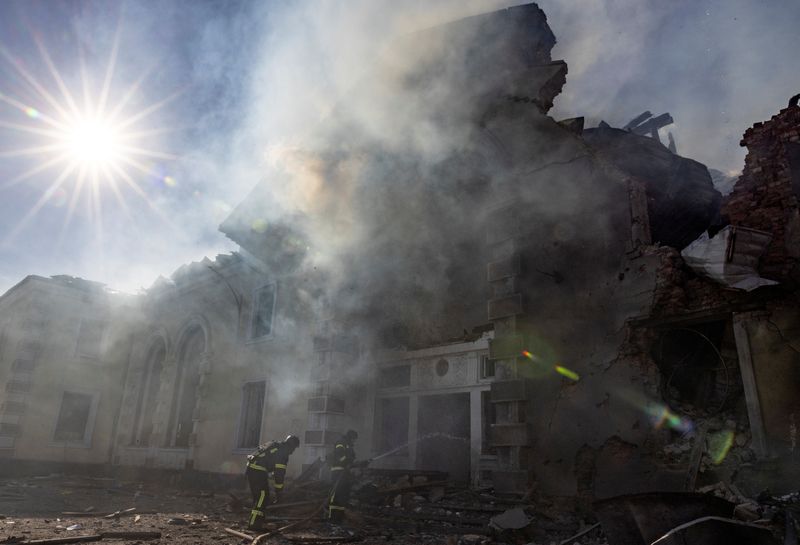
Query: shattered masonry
point(563, 242)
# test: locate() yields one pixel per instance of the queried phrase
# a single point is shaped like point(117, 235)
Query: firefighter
point(343, 459)
point(267, 465)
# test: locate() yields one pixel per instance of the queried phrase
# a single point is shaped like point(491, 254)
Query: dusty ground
point(59, 506)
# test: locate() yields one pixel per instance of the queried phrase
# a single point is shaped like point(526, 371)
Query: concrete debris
point(513, 519)
point(640, 519)
point(747, 512)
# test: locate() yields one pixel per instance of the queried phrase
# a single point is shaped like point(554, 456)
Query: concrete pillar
point(475, 434)
point(413, 421)
point(509, 434)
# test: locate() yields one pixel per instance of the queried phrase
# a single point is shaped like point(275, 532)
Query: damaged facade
point(64, 346)
point(515, 297)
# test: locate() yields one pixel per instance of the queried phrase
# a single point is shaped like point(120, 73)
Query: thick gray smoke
point(389, 190)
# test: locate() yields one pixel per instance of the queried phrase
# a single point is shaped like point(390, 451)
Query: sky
point(129, 130)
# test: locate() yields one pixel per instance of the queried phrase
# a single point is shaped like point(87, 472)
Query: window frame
point(88, 429)
point(241, 420)
point(100, 342)
point(251, 338)
point(483, 358)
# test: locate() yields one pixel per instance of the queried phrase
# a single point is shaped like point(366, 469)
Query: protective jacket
point(341, 461)
point(343, 456)
point(271, 459)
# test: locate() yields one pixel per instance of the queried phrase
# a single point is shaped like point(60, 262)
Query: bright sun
point(101, 144)
point(94, 142)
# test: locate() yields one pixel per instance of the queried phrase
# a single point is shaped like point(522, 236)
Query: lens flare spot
point(57, 198)
point(169, 181)
point(661, 416)
point(719, 445)
point(560, 369)
point(259, 225)
point(230, 467)
point(569, 373)
point(33, 113)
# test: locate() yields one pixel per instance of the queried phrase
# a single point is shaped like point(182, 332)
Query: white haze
point(260, 78)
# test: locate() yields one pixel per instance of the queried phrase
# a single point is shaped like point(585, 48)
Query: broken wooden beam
point(59, 540)
point(637, 120)
point(322, 539)
point(130, 535)
point(117, 514)
point(477, 508)
point(238, 534)
point(695, 458)
point(653, 124)
point(582, 533)
point(311, 516)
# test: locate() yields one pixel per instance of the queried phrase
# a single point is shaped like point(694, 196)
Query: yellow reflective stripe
point(340, 445)
point(261, 498)
point(254, 514)
point(280, 466)
point(278, 486)
point(256, 466)
point(332, 507)
point(337, 468)
point(273, 451)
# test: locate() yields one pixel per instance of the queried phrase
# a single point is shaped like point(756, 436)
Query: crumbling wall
point(766, 195)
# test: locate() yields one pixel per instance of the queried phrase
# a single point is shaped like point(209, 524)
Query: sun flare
point(103, 143)
point(93, 142)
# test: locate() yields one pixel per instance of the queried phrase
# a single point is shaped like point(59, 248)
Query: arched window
point(185, 394)
point(148, 394)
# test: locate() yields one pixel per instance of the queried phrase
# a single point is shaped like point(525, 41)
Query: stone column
point(510, 434)
point(163, 404)
point(199, 413)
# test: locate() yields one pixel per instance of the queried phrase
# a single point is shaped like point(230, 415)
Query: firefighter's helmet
point(292, 441)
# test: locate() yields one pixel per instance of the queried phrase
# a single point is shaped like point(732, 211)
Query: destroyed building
point(479, 289)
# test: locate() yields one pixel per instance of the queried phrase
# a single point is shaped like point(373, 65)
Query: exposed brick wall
point(678, 290)
point(763, 198)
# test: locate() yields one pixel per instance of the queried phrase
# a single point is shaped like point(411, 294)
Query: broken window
point(253, 394)
point(149, 387)
point(263, 310)
point(486, 367)
point(185, 393)
point(73, 418)
point(698, 366)
point(394, 421)
point(398, 376)
point(90, 337)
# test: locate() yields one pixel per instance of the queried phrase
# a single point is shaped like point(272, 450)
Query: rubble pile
point(411, 509)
